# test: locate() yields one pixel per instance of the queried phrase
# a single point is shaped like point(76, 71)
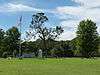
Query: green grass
point(65, 66)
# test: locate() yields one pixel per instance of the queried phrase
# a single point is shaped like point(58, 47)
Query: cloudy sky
point(65, 13)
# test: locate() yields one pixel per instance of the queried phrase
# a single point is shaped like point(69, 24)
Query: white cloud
point(69, 23)
point(70, 10)
point(67, 35)
point(69, 27)
point(98, 29)
point(10, 7)
point(87, 9)
point(88, 3)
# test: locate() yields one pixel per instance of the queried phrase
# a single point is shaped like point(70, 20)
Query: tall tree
point(2, 33)
point(87, 38)
point(39, 29)
point(12, 40)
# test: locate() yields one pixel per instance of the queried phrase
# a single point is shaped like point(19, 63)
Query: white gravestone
point(40, 53)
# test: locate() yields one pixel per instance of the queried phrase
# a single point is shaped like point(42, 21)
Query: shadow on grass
point(1, 71)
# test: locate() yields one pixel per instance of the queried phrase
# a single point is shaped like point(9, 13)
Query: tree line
point(86, 44)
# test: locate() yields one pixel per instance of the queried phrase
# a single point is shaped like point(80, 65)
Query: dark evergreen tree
point(12, 40)
point(2, 35)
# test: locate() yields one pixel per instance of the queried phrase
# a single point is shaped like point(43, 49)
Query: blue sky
point(65, 13)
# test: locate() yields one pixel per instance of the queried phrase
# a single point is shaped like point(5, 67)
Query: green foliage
point(87, 37)
point(62, 49)
point(44, 33)
point(2, 35)
point(85, 44)
point(12, 40)
point(30, 47)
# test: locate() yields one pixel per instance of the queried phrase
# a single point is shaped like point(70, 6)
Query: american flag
point(19, 22)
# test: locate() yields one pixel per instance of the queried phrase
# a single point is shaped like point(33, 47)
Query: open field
point(65, 66)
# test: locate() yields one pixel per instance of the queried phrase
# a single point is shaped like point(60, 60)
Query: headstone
point(40, 53)
point(9, 58)
point(53, 52)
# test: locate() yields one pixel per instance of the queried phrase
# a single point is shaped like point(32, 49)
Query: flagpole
point(20, 50)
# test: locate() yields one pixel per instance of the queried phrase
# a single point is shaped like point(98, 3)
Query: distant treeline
point(86, 44)
point(10, 43)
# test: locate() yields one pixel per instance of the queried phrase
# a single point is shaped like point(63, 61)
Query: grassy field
point(65, 66)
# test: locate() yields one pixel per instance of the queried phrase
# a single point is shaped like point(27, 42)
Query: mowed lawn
point(50, 66)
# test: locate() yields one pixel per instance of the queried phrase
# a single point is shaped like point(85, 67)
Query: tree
point(74, 46)
point(39, 29)
point(87, 38)
point(12, 40)
point(2, 33)
point(64, 48)
point(30, 47)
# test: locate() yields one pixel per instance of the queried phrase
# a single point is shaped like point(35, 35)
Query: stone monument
point(40, 53)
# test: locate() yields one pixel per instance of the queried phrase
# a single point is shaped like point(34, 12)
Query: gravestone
point(40, 53)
